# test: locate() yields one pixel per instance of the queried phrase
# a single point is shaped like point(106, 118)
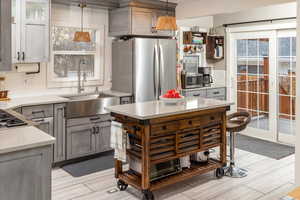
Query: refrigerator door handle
point(161, 69)
point(156, 72)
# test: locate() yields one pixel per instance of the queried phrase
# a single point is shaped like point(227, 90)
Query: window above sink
point(66, 56)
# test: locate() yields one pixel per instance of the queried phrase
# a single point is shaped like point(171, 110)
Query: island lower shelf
point(158, 140)
point(134, 180)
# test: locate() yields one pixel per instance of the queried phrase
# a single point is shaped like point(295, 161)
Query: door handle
point(23, 55)
point(156, 72)
point(161, 68)
point(18, 55)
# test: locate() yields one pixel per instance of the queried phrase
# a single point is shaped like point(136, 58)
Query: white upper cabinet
point(30, 31)
point(5, 35)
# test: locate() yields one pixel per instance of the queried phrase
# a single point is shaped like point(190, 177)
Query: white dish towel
point(119, 141)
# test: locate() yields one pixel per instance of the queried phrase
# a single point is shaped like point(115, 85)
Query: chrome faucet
point(80, 87)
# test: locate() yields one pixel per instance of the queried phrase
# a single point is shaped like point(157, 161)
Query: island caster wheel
point(148, 195)
point(220, 172)
point(121, 185)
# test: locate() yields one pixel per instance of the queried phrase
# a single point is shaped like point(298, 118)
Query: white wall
point(278, 11)
point(197, 8)
point(205, 22)
point(297, 155)
point(21, 84)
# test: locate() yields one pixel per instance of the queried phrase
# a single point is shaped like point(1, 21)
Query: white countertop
point(21, 138)
point(155, 109)
point(30, 101)
point(26, 137)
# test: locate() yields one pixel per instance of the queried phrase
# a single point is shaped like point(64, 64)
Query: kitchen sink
point(89, 105)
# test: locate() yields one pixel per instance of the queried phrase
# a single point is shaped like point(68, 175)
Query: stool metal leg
point(232, 170)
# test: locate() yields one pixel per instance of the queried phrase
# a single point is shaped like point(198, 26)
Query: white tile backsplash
point(219, 77)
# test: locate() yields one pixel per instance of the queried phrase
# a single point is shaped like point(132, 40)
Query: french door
point(262, 72)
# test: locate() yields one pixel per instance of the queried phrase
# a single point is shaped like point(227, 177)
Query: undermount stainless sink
point(89, 105)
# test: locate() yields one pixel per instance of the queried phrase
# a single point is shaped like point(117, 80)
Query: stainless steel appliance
point(145, 67)
point(191, 80)
point(7, 120)
point(207, 77)
point(157, 171)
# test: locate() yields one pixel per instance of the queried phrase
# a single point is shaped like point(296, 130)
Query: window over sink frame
point(69, 50)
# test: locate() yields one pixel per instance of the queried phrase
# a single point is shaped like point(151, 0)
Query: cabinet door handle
point(23, 56)
point(18, 55)
point(95, 118)
point(97, 130)
point(94, 130)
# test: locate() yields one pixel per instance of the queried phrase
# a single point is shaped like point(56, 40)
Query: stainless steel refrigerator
point(145, 67)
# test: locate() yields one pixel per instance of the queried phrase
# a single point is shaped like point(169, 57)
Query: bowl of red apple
point(171, 97)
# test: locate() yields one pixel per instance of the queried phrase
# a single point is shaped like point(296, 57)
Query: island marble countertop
point(21, 138)
point(155, 109)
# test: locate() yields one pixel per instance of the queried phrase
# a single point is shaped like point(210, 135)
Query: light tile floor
point(268, 179)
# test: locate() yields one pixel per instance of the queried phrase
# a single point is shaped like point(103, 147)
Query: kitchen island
point(166, 132)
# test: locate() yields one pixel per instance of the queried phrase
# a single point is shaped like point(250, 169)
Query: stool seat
point(236, 122)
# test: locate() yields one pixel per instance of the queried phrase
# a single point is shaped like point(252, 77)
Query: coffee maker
point(207, 75)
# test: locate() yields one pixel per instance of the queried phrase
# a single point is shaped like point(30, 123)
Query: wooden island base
point(167, 138)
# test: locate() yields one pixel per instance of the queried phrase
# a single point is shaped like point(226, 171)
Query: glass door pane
point(253, 80)
point(36, 11)
point(286, 81)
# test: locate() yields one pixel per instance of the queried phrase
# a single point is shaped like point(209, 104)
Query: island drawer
point(40, 111)
point(164, 128)
point(199, 121)
point(162, 147)
point(211, 136)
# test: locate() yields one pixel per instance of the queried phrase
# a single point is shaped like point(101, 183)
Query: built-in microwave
point(191, 80)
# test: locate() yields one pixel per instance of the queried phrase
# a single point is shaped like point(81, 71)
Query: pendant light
point(81, 36)
point(166, 23)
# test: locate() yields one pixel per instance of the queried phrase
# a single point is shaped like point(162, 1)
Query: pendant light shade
point(166, 23)
point(81, 36)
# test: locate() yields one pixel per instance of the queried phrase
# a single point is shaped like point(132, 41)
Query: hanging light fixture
point(166, 23)
point(81, 36)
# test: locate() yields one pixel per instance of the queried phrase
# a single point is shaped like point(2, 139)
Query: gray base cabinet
point(50, 119)
point(26, 175)
point(81, 141)
point(59, 133)
point(211, 93)
point(88, 138)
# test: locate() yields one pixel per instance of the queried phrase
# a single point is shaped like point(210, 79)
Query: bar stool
point(236, 122)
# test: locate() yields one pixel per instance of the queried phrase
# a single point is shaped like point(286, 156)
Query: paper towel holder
point(36, 72)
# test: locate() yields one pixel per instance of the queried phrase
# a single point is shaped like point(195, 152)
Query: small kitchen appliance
point(191, 80)
point(157, 171)
point(207, 75)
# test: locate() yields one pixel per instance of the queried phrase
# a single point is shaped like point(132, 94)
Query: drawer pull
point(196, 95)
point(216, 92)
point(164, 127)
point(190, 122)
point(37, 112)
point(212, 118)
point(95, 118)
